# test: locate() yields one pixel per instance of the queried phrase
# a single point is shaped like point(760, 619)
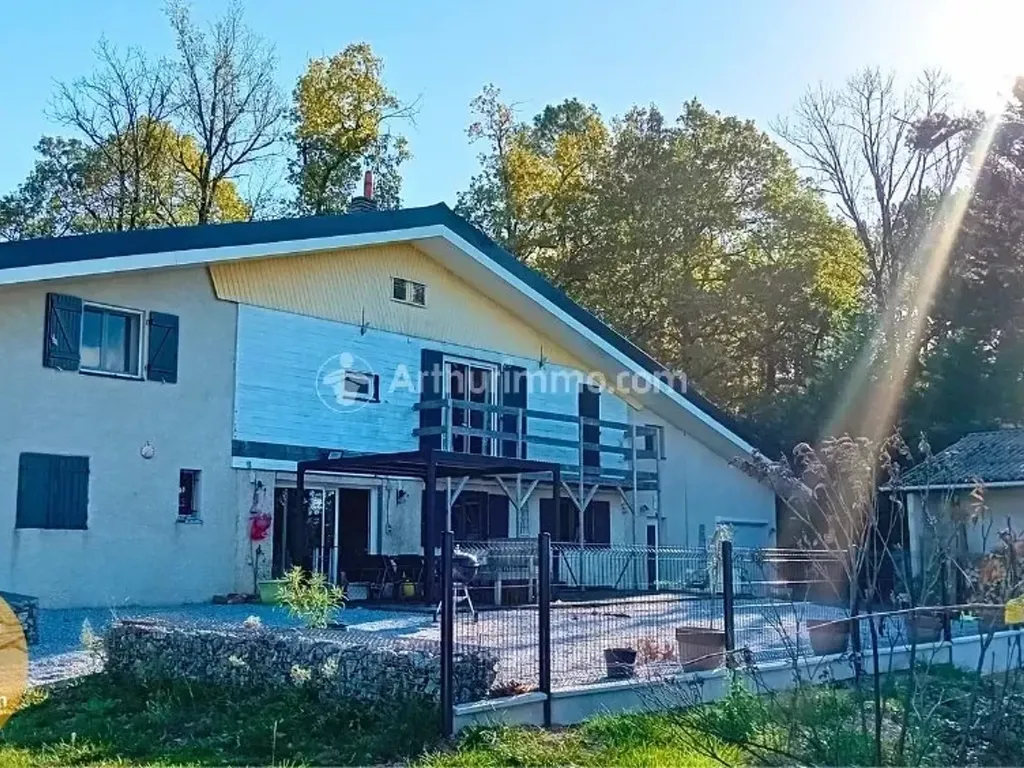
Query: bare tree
point(887, 155)
point(227, 100)
point(120, 110)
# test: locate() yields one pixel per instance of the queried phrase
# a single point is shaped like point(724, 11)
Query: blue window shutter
point(62, 335)
point(162, 358)
point(69, 487)
point(589, 406)
point(53, 492)
point(33, 491)
point(431, 388)
point(513, 395)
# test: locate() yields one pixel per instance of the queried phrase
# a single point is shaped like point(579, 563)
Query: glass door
point(467, 381)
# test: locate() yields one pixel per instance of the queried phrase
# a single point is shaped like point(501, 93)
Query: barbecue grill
point(465, 567)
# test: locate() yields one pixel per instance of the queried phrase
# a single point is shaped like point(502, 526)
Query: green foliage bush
point(310, 598)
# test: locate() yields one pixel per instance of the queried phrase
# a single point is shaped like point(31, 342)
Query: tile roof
point(990, 457)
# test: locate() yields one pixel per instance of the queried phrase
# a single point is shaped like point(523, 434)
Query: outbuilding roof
point(985, 457)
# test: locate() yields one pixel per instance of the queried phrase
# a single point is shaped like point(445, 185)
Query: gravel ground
point(580, 631)
point(60, 653)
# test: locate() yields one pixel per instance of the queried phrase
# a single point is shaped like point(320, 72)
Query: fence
point(562, 615)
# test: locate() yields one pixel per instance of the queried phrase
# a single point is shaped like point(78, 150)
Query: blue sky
point(744, 57)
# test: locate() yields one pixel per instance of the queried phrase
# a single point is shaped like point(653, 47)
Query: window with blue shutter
point(162, 358)
point(53, 492)
point(62, 333)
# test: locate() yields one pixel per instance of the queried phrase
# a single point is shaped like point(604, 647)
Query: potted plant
point(828, 636)
point(270, 590)
point(620, 662)
point(311, 598)
point(700, 648)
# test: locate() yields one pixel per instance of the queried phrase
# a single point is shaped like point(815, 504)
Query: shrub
point(310, 598)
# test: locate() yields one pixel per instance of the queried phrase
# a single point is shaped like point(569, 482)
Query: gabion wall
point(344, 664)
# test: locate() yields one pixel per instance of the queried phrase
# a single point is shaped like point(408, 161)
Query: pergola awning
point(428, 465)
point(417, 464)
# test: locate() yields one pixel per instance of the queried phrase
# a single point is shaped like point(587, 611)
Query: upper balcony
point(590, 451)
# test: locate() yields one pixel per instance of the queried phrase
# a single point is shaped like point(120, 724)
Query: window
point(596, 522)
point(654, 440)
point(408, 291)
point(110, 340)
point(188, 495)
point(362, 386)
point(471, 382)
point(353, 386)
point(53, 492)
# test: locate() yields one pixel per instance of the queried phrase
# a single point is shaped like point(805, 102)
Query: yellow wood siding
point(354, 286)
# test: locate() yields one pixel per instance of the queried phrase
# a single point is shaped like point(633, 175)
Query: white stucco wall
point(134, 551)
point(1003, 508)
point(699, 487)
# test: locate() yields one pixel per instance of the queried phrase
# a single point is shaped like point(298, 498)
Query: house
point(160, 386)
point(977, 482)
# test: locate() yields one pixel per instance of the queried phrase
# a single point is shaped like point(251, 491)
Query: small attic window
point(408, 291)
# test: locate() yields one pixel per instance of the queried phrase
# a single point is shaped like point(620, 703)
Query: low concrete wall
point(996, 653)
point(344, 664)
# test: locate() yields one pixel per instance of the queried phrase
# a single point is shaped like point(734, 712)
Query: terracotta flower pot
point(828, 636)
point(700, 648)
point(924, 627)
point(620, 662)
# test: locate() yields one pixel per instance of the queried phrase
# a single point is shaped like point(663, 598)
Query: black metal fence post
point(947, 619)
point(447, 634)
point(728, 598)
point(544, 621)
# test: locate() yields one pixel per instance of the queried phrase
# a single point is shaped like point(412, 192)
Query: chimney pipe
point(365, 201)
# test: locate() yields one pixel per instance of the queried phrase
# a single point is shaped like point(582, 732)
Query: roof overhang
point(952, 486)
point(442, 235)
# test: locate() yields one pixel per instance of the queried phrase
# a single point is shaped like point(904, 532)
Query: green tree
point(970, 368)
point(75, 189)
point(341, 109)
point(533, 179)
point(697, 240)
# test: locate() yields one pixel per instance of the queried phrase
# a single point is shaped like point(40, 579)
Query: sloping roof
point(21, 259)
point(989, 457)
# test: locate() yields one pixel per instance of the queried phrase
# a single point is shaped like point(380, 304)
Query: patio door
point(473, 382)
point(319, 551)
point(322, 531)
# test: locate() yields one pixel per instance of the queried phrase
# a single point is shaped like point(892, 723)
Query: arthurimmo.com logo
point(346, 383)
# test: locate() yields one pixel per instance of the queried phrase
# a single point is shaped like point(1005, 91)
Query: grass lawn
point(952, 718)
point(98, 721)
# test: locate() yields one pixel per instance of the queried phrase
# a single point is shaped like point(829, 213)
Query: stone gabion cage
point(26, 610)
point(340, 664)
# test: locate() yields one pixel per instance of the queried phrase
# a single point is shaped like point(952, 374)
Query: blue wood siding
point(280, 394)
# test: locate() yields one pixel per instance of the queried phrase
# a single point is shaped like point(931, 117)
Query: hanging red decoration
point(259, 526)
